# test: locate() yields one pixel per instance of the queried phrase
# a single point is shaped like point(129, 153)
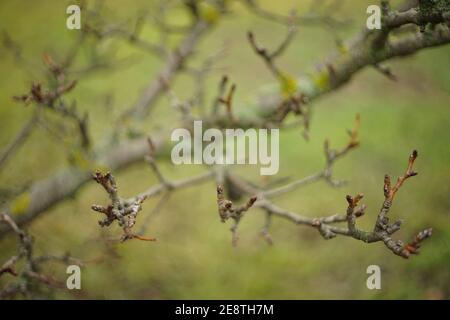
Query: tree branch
point(382, 230)
point(336, 71)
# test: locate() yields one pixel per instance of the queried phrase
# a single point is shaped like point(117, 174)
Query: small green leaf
point(209, 12)
point(321, 80)
point(288, 84)
point(21, 203)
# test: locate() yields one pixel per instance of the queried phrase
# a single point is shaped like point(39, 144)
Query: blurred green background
point(193, 257)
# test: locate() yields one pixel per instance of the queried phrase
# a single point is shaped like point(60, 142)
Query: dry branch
point(368, 49)
point(29, 277)
point(382, 231)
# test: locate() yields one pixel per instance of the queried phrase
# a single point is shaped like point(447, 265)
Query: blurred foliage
point(193, 257)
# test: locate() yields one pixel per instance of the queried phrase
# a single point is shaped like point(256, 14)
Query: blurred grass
point(193, 257)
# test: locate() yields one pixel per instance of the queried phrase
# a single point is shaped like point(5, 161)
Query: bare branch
point(370, 48)
point(331, 157)
point(30, 273)
point(19, 139)
point(269, 58)
point(228, 102)
point(125, 211)
point(382, 231)
point(174, 64)
point(227, 210)
point(221, 91)
point(311, 19)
